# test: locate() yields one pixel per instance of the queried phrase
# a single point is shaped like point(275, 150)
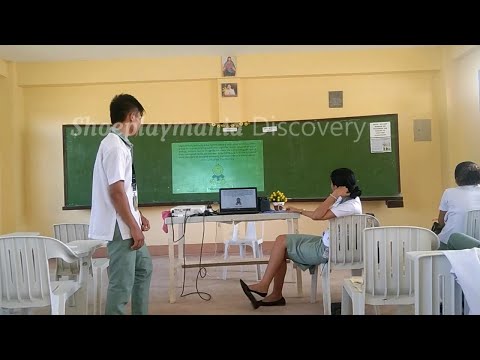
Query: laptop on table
point(238, 201)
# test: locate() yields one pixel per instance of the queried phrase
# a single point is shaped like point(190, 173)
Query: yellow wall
point(462, 116)
point(280, 87)
point(11, 146)
point(3, 151)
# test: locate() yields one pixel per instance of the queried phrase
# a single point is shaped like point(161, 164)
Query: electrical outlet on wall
point(422, 130)
point(335, 99)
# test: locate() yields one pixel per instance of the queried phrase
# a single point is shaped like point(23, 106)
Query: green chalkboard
point(297, 158)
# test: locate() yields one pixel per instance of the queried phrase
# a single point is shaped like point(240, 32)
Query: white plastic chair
point(25, 277)
point(387, 274)
point(473, 224)
point(72, 232)
point(345, 252)
point(249, 239)
point(436, 290)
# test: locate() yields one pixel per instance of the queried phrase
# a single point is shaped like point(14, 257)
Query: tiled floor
point(228, 298)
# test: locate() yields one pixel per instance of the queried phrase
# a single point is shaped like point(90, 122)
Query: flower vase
point(278, 205)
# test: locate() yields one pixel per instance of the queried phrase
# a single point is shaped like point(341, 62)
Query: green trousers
point(129, 275)
point(458, 241)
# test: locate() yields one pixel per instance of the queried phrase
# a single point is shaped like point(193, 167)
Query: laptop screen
point(238, 199)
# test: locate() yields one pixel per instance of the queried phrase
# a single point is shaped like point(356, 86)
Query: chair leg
point(299, 281)
point(61, 305)
point(225, 257)
point(95, 288)
point(327, 301)
point(100, 295)
point(358, 304)
point(242, 254)
point(313, 288)
point(293, 272)
point(256, 251)
point(71, 300)
point(262, 267)
point(347, 306)
point(57, 304)
point(352, 303)
point(98, 291)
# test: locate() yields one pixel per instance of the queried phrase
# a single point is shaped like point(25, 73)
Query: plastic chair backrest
point(66, 233)
point(250, 232)
point(387, 272)
point(436, 290)
point(346, 240)
point(24, 270)
point(473, 224)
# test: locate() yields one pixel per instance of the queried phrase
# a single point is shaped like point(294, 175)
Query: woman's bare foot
point(272, 297)
point(258, 289)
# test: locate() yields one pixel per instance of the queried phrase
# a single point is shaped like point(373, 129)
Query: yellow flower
point(277, 196)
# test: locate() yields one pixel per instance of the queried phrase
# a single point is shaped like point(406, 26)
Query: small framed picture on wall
point(229, 65)
point(229, 89)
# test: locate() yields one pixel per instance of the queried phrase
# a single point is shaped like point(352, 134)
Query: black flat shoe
point(279, 302)
point(249, 294)
point(257, 292)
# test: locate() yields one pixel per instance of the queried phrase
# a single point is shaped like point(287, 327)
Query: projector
point(188, 210)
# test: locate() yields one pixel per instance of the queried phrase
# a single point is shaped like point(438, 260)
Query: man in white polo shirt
point(115, 216)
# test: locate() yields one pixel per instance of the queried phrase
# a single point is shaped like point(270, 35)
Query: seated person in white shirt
point(455, 204)
point(306, 250)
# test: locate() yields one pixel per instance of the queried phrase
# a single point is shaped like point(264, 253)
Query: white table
point(84, 249)
point(175, 263)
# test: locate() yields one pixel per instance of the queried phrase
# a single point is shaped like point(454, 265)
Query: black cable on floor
point(202, 271)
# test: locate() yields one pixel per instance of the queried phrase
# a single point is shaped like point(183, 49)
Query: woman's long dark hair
point(346, 177)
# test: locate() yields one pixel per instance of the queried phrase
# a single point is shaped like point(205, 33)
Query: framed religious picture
point(229, 90)
point(229, 65)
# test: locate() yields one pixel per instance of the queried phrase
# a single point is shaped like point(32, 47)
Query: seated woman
point(457, 201)
point(306, 250)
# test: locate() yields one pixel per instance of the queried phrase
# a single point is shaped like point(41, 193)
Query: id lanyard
point(134, 178)
point(134, 186)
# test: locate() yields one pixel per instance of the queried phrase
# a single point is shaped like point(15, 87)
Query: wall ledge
point(3, 68)
point(208, 68)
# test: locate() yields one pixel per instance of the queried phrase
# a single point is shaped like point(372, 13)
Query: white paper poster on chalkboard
point(380, 145)
point(380, 137)
point(380, 129)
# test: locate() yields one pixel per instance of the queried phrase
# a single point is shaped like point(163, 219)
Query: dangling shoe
point(279, 302)
point(249, 294)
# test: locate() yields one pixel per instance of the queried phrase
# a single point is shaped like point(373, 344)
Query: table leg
point(179, 262)
point(172, 281)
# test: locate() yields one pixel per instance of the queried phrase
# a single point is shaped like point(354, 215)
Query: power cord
point(184, 229)
point(202, 271)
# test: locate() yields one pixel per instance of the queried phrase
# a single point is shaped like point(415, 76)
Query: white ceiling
point(40, 53)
